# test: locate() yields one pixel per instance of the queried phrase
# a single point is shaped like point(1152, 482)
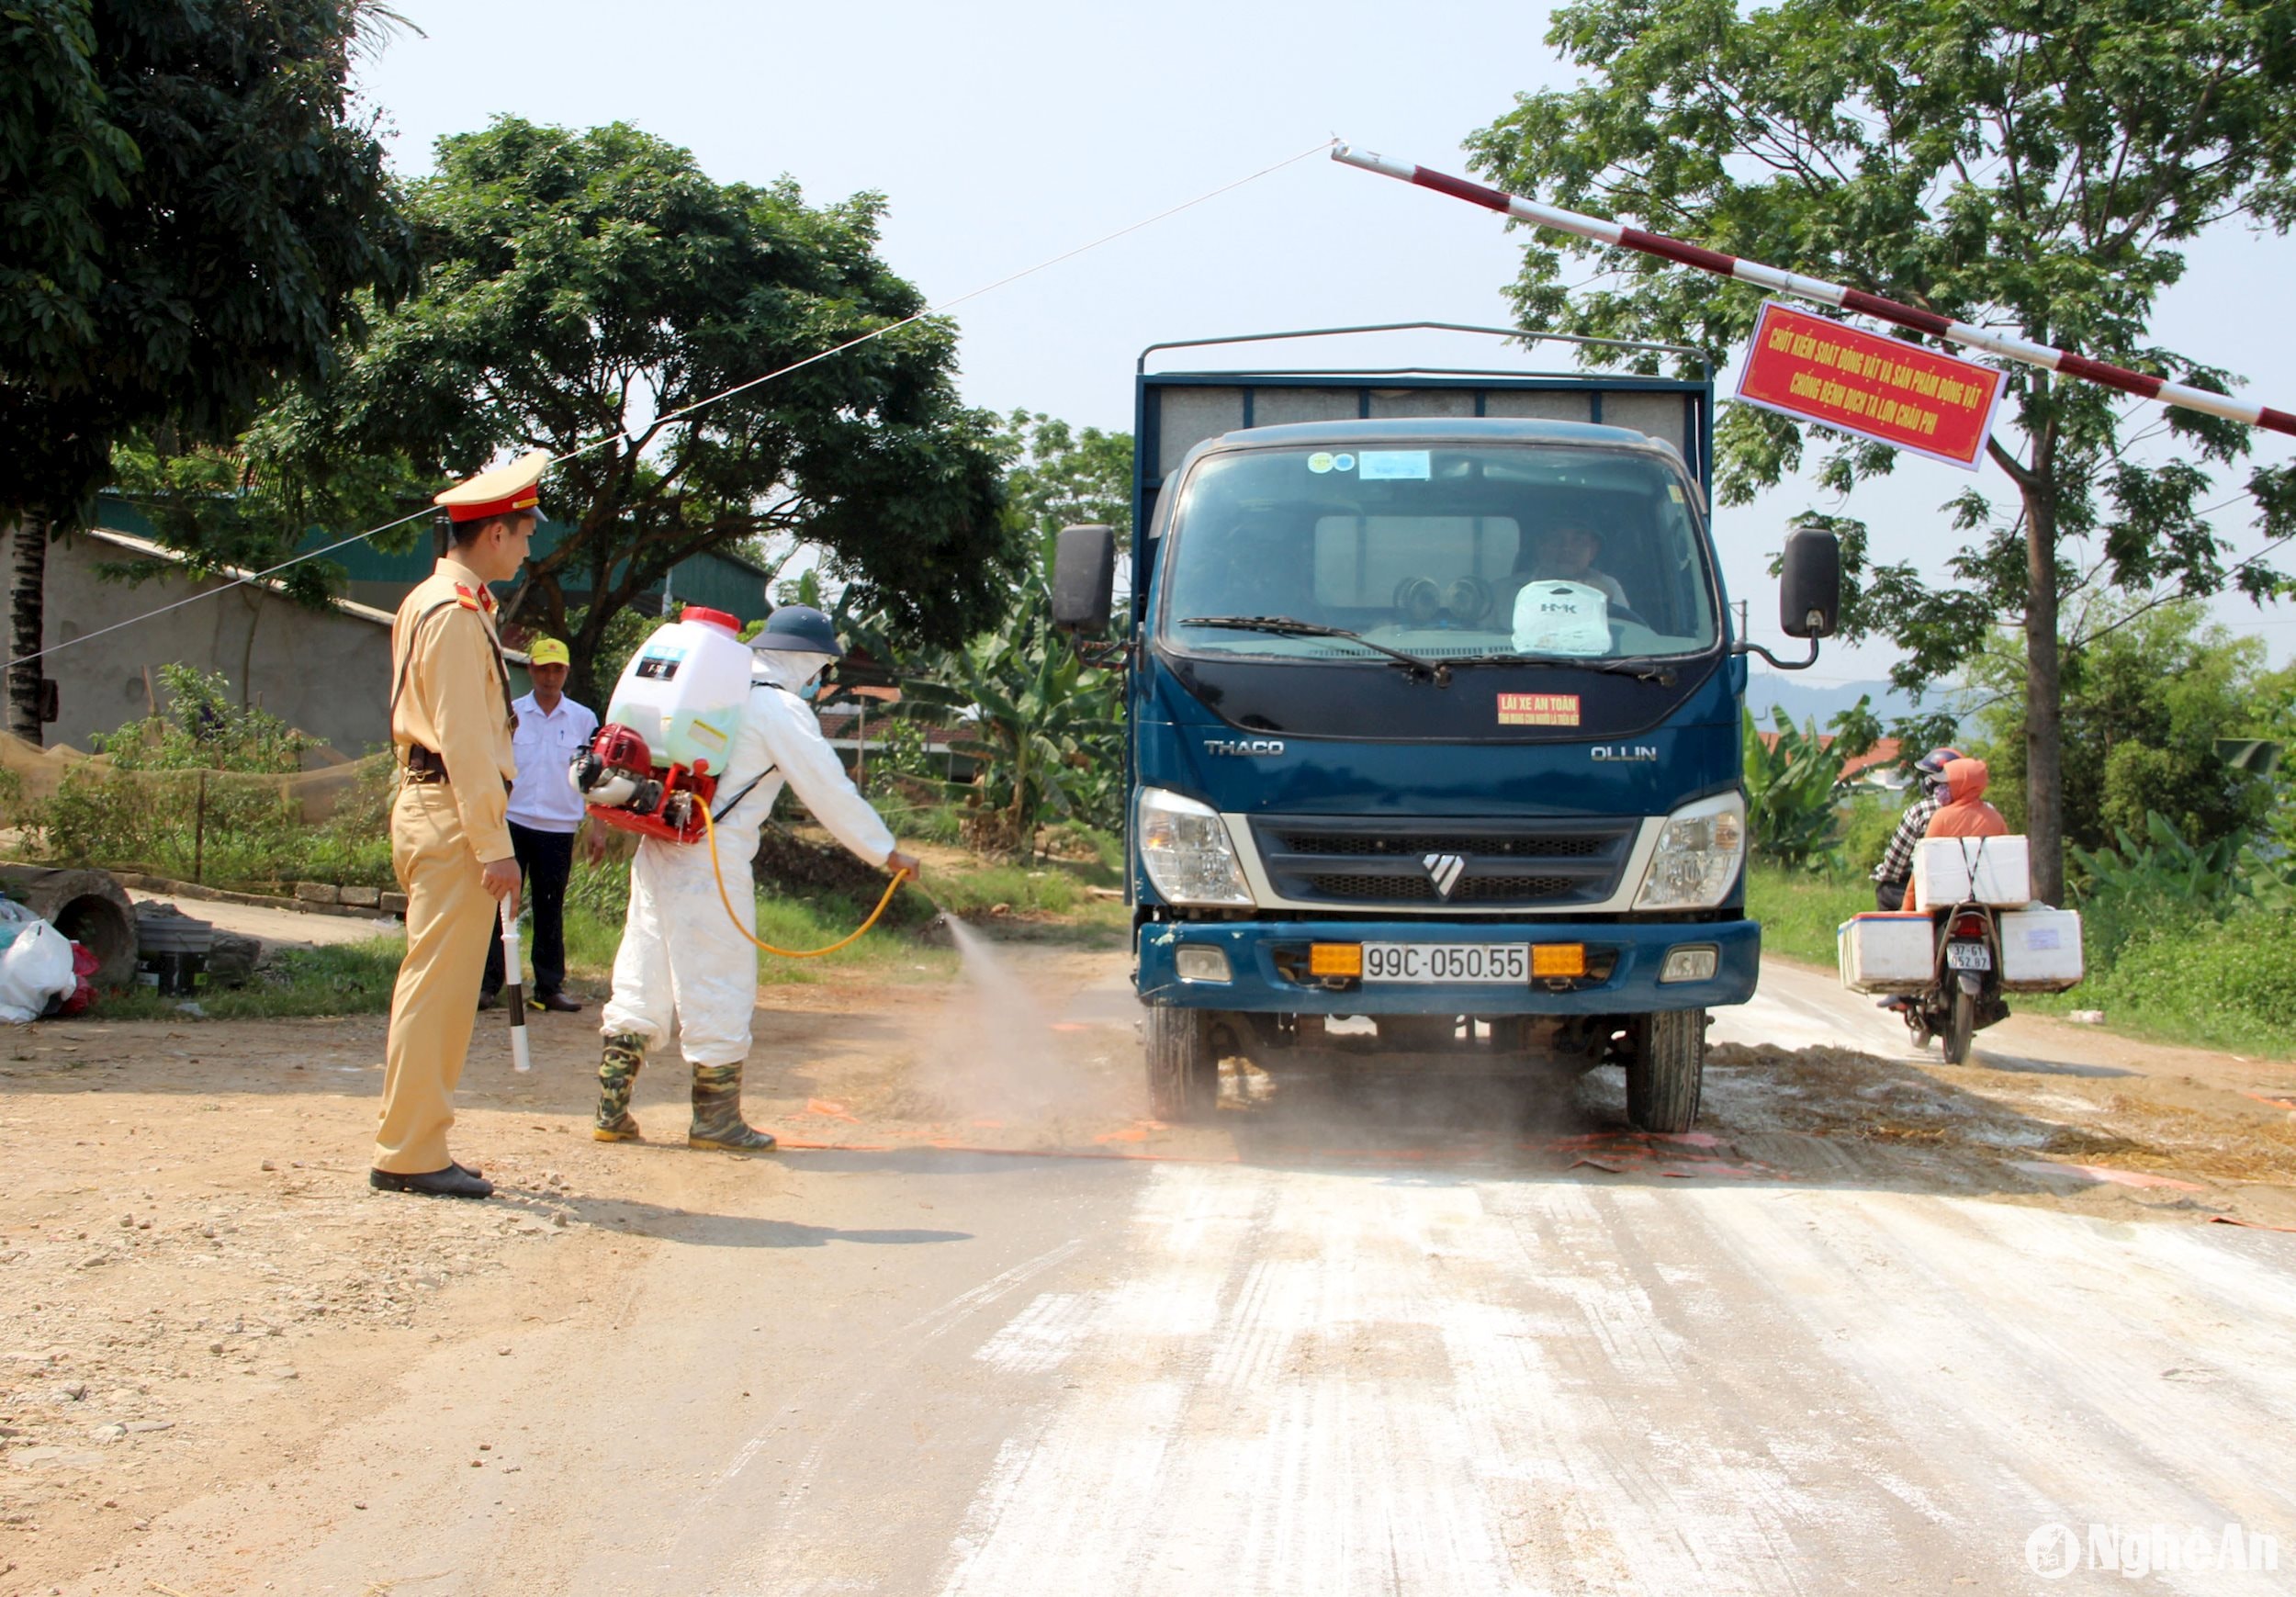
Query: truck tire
point(1183, 1064)
point(1665, 1068)
point(1961, 1025)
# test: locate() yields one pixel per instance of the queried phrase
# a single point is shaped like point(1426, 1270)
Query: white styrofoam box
point(1992, 871)
point(1887, 953)
point(2040, 950)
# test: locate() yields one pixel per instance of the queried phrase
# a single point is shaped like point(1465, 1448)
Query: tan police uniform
point(450, 724)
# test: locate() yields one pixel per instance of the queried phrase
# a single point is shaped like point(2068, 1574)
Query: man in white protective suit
point(682, 958)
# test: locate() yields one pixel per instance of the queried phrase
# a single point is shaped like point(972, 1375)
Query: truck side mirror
point(1809, 584)
point(1083, 578)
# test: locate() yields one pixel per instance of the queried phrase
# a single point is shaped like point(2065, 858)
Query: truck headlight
point(1700, 849)
point(1185, 844)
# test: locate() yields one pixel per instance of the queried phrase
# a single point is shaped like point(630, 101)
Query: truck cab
point(1434, 718)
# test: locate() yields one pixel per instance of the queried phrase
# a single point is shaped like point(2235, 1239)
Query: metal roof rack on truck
point(1705, 365)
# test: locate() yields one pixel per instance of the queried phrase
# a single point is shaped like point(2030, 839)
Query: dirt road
point(1879, 1326)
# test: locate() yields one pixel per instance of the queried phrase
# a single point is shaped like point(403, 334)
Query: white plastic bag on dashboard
point(35, 970)
point(1561, 618)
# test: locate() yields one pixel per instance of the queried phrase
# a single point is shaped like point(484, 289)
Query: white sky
point(1007, 131)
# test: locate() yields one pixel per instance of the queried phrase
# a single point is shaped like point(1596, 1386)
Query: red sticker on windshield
point(1538, 709)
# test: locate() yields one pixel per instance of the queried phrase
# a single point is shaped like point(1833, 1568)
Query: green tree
point(189, 200)
point(238, 505)
point(2147, 696)
point(582, 285)
point(2274, 703)
point(1856, 729)
point(2035, 166)
point(1023, 702)
point(1058, 476)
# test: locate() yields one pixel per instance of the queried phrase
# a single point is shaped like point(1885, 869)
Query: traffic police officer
point(450, 842)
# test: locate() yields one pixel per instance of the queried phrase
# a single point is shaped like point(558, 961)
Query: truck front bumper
point(1267, 968)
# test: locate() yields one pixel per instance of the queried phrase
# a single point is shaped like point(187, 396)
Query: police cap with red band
point(507, 491)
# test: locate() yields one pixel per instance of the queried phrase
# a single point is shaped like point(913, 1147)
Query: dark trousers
point(545, 861)
point(1887, 895)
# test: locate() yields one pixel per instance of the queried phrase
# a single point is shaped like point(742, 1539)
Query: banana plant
point(2164, 866)
point(1017, 698)
point(1790, 792)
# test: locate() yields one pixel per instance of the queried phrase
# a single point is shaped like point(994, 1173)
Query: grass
point(892, 953)
point(1054, 901)
point(1050, 901)
point(2226, 984)
point(340, 979)
point(356, 978)
point(1799, 910)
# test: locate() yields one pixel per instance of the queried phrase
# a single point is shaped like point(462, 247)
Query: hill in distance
point(1821, 702)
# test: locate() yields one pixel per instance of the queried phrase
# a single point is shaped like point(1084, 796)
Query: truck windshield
point(1509, 550)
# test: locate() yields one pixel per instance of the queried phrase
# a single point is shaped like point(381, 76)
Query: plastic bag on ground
point(35, 970)
point(84, 965)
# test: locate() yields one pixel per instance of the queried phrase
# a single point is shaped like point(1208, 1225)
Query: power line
point(943, 307)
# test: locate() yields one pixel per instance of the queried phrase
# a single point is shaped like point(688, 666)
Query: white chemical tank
point(684, 690)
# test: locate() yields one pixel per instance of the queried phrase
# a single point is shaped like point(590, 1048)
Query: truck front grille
point(1511, 864)
point(1471, 889)
point(1414, 844)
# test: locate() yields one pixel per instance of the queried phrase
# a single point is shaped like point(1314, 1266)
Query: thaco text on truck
point(1431, 717)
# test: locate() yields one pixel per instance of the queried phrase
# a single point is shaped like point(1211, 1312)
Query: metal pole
point(1833, 294)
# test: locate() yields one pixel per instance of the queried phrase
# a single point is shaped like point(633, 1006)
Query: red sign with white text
point(1884, 388)
point(1538, 709)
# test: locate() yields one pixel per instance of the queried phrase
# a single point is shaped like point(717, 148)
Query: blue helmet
point(798, 629)
point(1931, 768)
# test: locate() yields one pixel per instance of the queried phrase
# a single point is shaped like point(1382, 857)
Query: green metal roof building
point(374, 576)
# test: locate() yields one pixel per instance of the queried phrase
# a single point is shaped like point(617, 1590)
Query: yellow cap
point(547, 651)
point(504, 491)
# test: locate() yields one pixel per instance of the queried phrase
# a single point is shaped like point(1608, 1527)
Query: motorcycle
point(1964, 995)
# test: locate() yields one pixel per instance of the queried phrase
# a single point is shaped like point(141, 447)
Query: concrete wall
point(327, 672)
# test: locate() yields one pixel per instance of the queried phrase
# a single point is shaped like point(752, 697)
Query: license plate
point(1447, 962)
point(1968, 956)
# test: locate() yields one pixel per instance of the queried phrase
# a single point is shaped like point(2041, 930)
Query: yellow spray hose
point(709, 826)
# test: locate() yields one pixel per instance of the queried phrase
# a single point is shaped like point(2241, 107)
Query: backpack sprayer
point(654, 767)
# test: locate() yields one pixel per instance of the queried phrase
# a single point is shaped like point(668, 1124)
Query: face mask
point(810, 691)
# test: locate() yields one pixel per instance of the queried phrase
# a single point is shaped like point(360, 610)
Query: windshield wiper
point(1641, 669)
point(1289, 626)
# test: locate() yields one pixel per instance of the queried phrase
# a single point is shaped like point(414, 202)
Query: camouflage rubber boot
point(717, 1122)
point(617, 1074)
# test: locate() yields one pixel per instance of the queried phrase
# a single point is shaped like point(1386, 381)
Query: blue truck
point(1433, 718)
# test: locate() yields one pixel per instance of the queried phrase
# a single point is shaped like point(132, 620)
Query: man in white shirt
point(545, 814)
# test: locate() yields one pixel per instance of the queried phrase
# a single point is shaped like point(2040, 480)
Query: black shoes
point(557, 1002)
point(452, 1182)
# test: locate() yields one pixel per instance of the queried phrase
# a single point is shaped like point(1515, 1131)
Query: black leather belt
point(424, 767)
